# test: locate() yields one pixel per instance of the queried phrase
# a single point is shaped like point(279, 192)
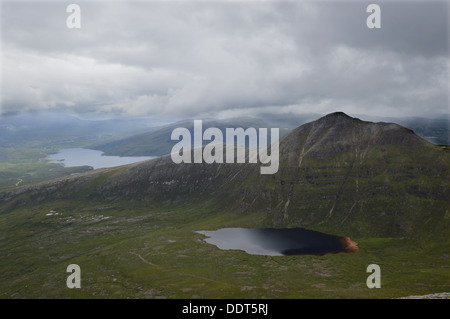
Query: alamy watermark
point(373, 280)
point(258, 148)
point(73, 21)
point(373, 21)
point(74, 279)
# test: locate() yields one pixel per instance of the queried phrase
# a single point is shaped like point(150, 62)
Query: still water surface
point(276, 241)
point(72, 157)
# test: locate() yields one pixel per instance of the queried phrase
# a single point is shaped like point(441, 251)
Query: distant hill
point(434, 130)
point(158, 142)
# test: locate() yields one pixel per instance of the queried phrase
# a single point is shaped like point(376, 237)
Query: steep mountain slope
point(337, 174)
point(376, 178)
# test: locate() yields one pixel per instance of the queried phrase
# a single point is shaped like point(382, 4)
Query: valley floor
point(135, 252)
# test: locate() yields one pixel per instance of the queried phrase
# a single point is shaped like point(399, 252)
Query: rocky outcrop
point(349, 245)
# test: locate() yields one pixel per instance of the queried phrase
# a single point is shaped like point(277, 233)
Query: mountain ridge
point(336, 173)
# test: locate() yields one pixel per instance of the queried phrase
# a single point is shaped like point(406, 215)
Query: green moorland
point(132, 229)
point(140, 252)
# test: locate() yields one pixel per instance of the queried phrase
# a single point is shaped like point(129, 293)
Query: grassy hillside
point(132, 228)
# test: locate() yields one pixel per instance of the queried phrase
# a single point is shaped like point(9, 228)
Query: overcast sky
point(195, 59)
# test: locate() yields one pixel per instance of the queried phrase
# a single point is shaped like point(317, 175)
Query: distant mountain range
point(145, 136)
point(43, 127)
point(336, 174)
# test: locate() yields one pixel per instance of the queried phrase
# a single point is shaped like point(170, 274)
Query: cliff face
point(337, 173)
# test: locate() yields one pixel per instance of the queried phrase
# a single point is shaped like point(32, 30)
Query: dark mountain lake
point(72, 157)
point(279, 241)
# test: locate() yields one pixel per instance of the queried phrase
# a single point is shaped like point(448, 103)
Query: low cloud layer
point(191, 59)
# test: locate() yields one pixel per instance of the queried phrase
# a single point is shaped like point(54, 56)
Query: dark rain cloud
point(226, 58)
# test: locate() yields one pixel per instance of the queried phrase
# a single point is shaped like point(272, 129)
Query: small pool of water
point(279, 241)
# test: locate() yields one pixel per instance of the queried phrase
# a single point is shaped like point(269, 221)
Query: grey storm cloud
point(195, 58)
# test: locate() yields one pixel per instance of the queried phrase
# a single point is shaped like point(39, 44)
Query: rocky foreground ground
point(441, 295)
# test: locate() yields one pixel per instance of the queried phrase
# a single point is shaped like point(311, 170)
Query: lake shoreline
point(279, 241)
